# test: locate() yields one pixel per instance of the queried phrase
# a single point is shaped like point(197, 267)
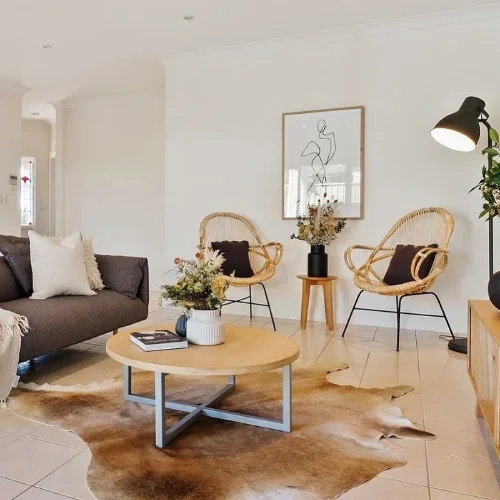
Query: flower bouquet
point(319, 228)
point(200, 289)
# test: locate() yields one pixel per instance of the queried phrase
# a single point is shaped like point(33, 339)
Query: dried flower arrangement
point(201, 284)
point(320, 226)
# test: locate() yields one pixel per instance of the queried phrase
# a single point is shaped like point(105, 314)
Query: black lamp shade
point(460, 130)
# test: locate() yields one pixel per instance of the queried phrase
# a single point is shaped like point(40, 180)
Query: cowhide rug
point(335, 444)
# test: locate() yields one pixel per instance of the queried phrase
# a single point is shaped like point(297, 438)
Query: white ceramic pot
point(205, 328)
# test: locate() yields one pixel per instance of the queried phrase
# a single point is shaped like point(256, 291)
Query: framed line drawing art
point(323, 152)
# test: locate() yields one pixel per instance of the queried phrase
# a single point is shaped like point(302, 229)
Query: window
point(28, 167)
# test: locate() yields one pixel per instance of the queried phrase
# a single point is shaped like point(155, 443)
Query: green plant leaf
point(483, 213)
point(490, 151)
point(494, 135)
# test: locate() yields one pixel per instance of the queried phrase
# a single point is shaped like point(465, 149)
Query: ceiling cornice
point(12, 86)
point(73, 103)
point(457, 16)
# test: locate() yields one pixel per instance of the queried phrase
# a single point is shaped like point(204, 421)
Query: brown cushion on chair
point(399, 271)
point(237, 258)
point(17, 254)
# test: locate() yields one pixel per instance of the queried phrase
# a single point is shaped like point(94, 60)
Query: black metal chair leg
point(398, 314)
point(352, 310)
point(444, 314)
point(268, 305)
point(250, 293)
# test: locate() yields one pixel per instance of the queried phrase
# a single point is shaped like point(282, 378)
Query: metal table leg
point(160, 410)
point(194, 412)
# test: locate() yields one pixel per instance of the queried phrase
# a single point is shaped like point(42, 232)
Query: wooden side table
point(327, 284)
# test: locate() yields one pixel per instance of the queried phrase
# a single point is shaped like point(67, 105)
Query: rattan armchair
point(421, 227)
point(264, 257)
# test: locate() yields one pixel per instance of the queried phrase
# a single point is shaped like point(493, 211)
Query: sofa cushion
point(19, 259)
point(10, 289)
point(17, 253)
point(58, 266)
point(67, 320)
point(129, 276)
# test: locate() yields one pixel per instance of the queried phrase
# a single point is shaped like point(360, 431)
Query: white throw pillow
point(93, 273)
point(58, 266)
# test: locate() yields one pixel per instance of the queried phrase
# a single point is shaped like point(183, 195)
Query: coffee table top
point(246, 350)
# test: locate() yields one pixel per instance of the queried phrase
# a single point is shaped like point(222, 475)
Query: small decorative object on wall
point(323, 152)
point(201, 290)
point(319, 228)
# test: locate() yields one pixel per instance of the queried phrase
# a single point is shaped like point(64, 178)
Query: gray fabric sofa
point(64, 321)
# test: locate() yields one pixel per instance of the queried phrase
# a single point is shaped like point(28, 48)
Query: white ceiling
point(99, 46)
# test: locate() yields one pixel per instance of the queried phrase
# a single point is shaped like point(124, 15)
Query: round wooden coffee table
point(246, 350)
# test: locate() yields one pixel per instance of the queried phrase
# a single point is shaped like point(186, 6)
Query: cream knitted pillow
point(93, 273)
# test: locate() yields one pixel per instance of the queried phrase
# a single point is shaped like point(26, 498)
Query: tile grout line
point(324, 347)
point(462, 494)
point(15, 481)
point(35, 488)
point(56, 469)
point(54, 442)
point(56, 493)
point(18, 436)
point(493, 464)
point(423, 417)
point(364, 369)
point(423, 486)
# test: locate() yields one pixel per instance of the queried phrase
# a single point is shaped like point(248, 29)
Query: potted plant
point(489, 185)
point(200, 290)
point(319, 228)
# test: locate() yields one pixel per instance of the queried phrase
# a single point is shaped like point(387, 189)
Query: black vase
point(494, 290)
point(181, 326)
point(317, 262)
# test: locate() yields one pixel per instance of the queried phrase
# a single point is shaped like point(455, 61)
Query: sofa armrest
point(127, 275)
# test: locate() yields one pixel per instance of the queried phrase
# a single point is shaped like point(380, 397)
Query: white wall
point(36, 141)
point(10, 156)
point(223, 143)
point(113, 174)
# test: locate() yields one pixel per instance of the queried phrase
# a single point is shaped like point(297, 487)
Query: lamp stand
point(460, 344)
point(490, 220)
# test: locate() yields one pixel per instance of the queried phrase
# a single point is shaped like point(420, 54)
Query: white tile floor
point(39, 462)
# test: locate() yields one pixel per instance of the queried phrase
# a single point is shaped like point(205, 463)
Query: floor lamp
point(460, 131)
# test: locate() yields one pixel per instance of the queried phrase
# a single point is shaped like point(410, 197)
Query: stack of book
point(158, 340)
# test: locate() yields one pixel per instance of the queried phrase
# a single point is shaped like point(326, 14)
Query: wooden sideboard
point(484, 364)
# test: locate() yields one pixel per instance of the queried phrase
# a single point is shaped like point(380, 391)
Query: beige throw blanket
point(12, 327)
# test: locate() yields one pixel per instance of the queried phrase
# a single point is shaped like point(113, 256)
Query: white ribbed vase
point(205, 328)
